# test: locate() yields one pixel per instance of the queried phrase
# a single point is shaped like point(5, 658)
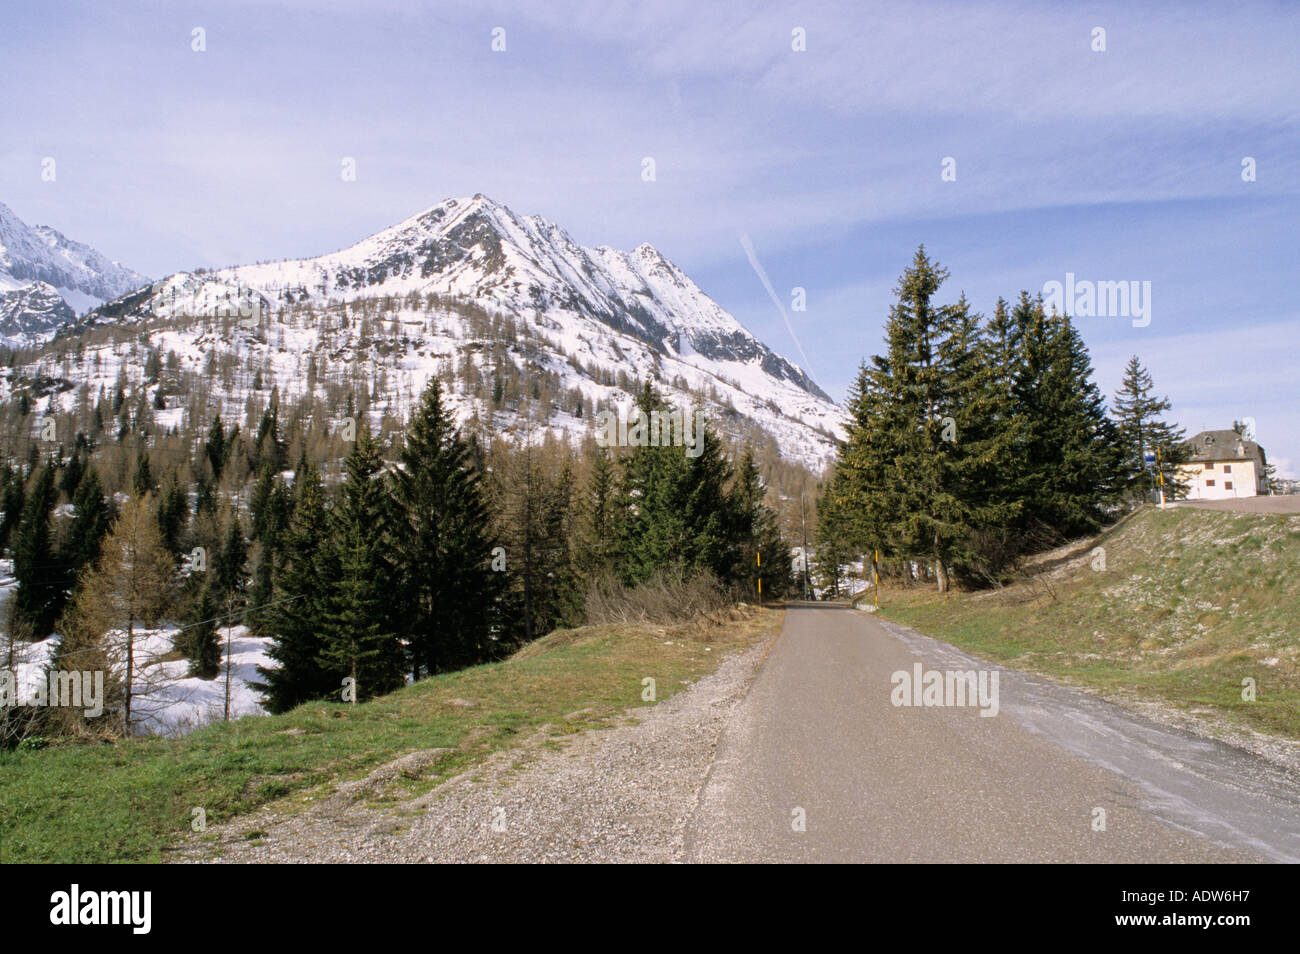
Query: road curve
point(818, 739)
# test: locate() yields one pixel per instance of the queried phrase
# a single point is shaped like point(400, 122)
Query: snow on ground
point(166, 700)
point(169, 702)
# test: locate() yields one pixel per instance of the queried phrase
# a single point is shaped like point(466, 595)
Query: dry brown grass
point(662, 599)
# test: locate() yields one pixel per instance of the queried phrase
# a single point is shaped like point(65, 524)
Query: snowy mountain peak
point(590, 311)
point(31, 313)
point(82, 276)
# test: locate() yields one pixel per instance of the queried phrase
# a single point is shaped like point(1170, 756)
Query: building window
point(1227, 485)
point(1227, 468)
point(1209, 483)
point(1209, 467)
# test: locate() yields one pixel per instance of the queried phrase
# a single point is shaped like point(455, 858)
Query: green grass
point(133, 800)
point(1191, 602)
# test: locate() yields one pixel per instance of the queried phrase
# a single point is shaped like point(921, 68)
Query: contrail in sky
point(748, 246)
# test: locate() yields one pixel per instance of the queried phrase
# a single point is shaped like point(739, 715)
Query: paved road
point(1281, 504)
point(879, 782)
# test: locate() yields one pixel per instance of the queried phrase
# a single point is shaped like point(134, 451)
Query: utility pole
point(803, 516)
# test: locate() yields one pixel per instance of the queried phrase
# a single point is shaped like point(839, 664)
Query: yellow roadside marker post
point(875, 574)
point(1160, 473)
point(758, 561)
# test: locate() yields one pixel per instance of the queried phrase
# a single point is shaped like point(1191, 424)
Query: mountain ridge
point(582, 317)
point(36, 258)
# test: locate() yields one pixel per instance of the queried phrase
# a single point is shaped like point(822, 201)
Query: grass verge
point(1189, 604)
point(130, 801)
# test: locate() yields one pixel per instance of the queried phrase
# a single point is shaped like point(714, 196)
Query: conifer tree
point(931, 467)
point(759, 534)
point(1141, 430)
point(449, 592)
point(599, 533)
point(71, 475)
point(41, 577)
point(855, 517)
point(908, 397)
point(91, 518)
point(269, 449)
point(215, 448)
point(839, 538)
point(228, 568)
point(173, 515)
point(983, 440)
point(143, 482)
point(652, 520)
point(714, 531)
point(199, 640)
point(1071, 458)
point(360, 641)
point(11, 503)
point(296, 620)
point(271, 507)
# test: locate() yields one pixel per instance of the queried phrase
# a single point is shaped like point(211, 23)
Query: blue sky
point(1116, 165)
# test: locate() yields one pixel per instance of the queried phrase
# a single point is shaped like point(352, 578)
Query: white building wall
point(1220, 479)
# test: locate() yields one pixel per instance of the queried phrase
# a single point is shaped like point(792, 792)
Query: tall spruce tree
point(984, 442)
point(198, 640)
point(714, 530)
point(854, 517)
point(41, 577)
point(759, 534)
point(442, 545)
point(839, 538)
point(360, 640)
point(652, 522)
point(91, 517)
point(934, 468)
point(1071, 457)
point(1141, 430)
point(598, 531)
point(911, 443)
point(215, 449)
point(296, 620)
point(270, 524)
point(11, 503)
point(173, 515)
point(143, 482)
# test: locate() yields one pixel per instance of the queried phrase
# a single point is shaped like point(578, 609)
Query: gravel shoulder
point(623, 794)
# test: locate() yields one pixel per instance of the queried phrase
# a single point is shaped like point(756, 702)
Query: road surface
point(1280, 504)
point(818, 740)
point(802, 728)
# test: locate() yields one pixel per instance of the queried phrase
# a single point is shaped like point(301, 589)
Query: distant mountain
point(82, 277)
point(400, 306)
point(32, 313)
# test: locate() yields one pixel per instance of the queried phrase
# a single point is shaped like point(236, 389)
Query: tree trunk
point(130, 670)
point(940, 568)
